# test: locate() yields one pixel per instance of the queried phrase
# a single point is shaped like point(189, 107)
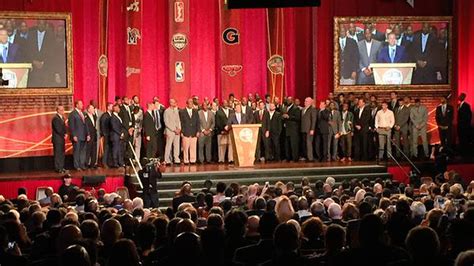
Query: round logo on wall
point(392, 77)
point(246, 135)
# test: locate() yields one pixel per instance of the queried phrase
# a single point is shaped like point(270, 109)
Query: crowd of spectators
point(353, 222)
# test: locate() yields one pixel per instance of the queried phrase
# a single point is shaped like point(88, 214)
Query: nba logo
point(179, 71)
point(179, 12)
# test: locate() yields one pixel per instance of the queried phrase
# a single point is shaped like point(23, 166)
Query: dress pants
point(117, 153)
point(384, 138)
point(361, 145)
point(160, 144)
point(225, 144)
point(346, 143)
point(189, 149)
point(307, 146)
point(58, 149)
point(137, 143)
point(151, 147)
point(401, 136)
point(205, 147)
point(322, 152)
point(445, 137)
point(91, 152)
point(273, 147)
point(79, 154)
point(424, 139)
point(292, 146)
point(172, 142)
point(107, 157)
point(332, 146)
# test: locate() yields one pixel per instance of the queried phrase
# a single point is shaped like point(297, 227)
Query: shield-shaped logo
point(179, 41)
point(179, 12)
point(179, 71)
point(232, 70)
point(276, 64)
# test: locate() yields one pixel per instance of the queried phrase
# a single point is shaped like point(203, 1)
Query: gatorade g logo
point(231, 36)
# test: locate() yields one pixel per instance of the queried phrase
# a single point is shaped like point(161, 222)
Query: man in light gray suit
point(207, 124)
point(402, 118)
point(368, 51)
point(334, 130)
point(308, 123)
point(172, 132)
point(419, 120)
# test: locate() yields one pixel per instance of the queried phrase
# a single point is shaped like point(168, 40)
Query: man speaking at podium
point(8, 51)
point(392, 53)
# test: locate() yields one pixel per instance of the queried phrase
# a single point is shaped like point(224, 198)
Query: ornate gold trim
point(66, 16)
point(387, 19)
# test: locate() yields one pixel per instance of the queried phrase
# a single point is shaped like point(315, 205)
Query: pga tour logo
point(179, 12)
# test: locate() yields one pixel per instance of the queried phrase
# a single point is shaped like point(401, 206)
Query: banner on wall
point(276, 49)
point(133, 54)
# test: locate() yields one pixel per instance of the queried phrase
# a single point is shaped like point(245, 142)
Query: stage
point(196, 174)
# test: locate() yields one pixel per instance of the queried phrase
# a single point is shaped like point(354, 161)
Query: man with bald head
point(39, 49)
point(291, 121)
point(173, 132)
point(222, 128)
point(308, 123)
point(424, 50)
point(348, 58)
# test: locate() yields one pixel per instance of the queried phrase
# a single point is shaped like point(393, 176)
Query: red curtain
point(465, 25)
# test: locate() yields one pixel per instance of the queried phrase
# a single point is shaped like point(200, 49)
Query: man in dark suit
point(464, 124)
point(91, 147)
point(262, 117)
point(247, 110)
point(128, 120)
point(308, 124)
point(322, 132)
point(362, 119)
point(444, 119)
point(372, 134)
point(291, 121)
point(40, 51)
point(424, 50)
point(104, 122)
point(223, 138)
point(402, 119)
point(117, 136)
point(8, 51)
point(393, 104)
point(79, 135)
point(58, 139)
point(392, 53)
point(272, 134)
point(159, 111)
point(348, 58)
point(150, 131)
point(207, 124)
point(190, 128)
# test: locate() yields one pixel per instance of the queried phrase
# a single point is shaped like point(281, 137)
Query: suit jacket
point(347, 122)
point(210, 124)
point(392, 106)
point(429, 54)
point(248, 114)
point(363, 120)
point(349, 58)
point(308, 119)
point(464, 116)
point(117, 128)
point(189, 124)
point(402, 116)
point(233, 119)
point(105, 125)
point(128, 119)
point(91, 126)
point(323, 122)
point(384, 55)
point(47, 48)
point(13, 55)
point(58, 129)
point(149, 126)
point(172, 120)
point(221, 120)
point(334, 122)
point(447, 118)
point(275, 124)
point(292, 123)
point(264, 120)
point(419, 116)
point(364, 59)
point(77, 126)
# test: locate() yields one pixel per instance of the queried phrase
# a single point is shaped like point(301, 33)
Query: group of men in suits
point(343, 129)
point(426, 47)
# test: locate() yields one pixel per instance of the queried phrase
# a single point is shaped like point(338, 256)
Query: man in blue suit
point(392, 53)
point(8, 51)
point(79, 135)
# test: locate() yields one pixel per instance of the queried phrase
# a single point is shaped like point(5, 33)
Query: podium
point(244, 139)
point(392, 73)
point(15, 74)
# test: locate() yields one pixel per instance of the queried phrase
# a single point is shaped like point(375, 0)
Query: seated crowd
point(355, 222)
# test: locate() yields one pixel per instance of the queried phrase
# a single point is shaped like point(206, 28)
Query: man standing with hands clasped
point(384, 122)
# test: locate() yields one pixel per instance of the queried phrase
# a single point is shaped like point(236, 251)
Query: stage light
point(239, 4)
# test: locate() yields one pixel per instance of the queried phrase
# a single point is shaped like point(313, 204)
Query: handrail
point(390, 155)
point(406, 157)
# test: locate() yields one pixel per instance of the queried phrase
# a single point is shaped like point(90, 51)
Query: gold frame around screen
point(381, 88)
point(69, 90)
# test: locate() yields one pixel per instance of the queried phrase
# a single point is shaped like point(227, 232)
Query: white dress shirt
point(384, 119)
point(190, 112)
point(40, 39)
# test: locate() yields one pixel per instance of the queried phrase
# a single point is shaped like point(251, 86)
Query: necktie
point(5, 53)
point(261, 115)
point(343, 44)
point(444, 109)
point(392, 54)
point(238, 118)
